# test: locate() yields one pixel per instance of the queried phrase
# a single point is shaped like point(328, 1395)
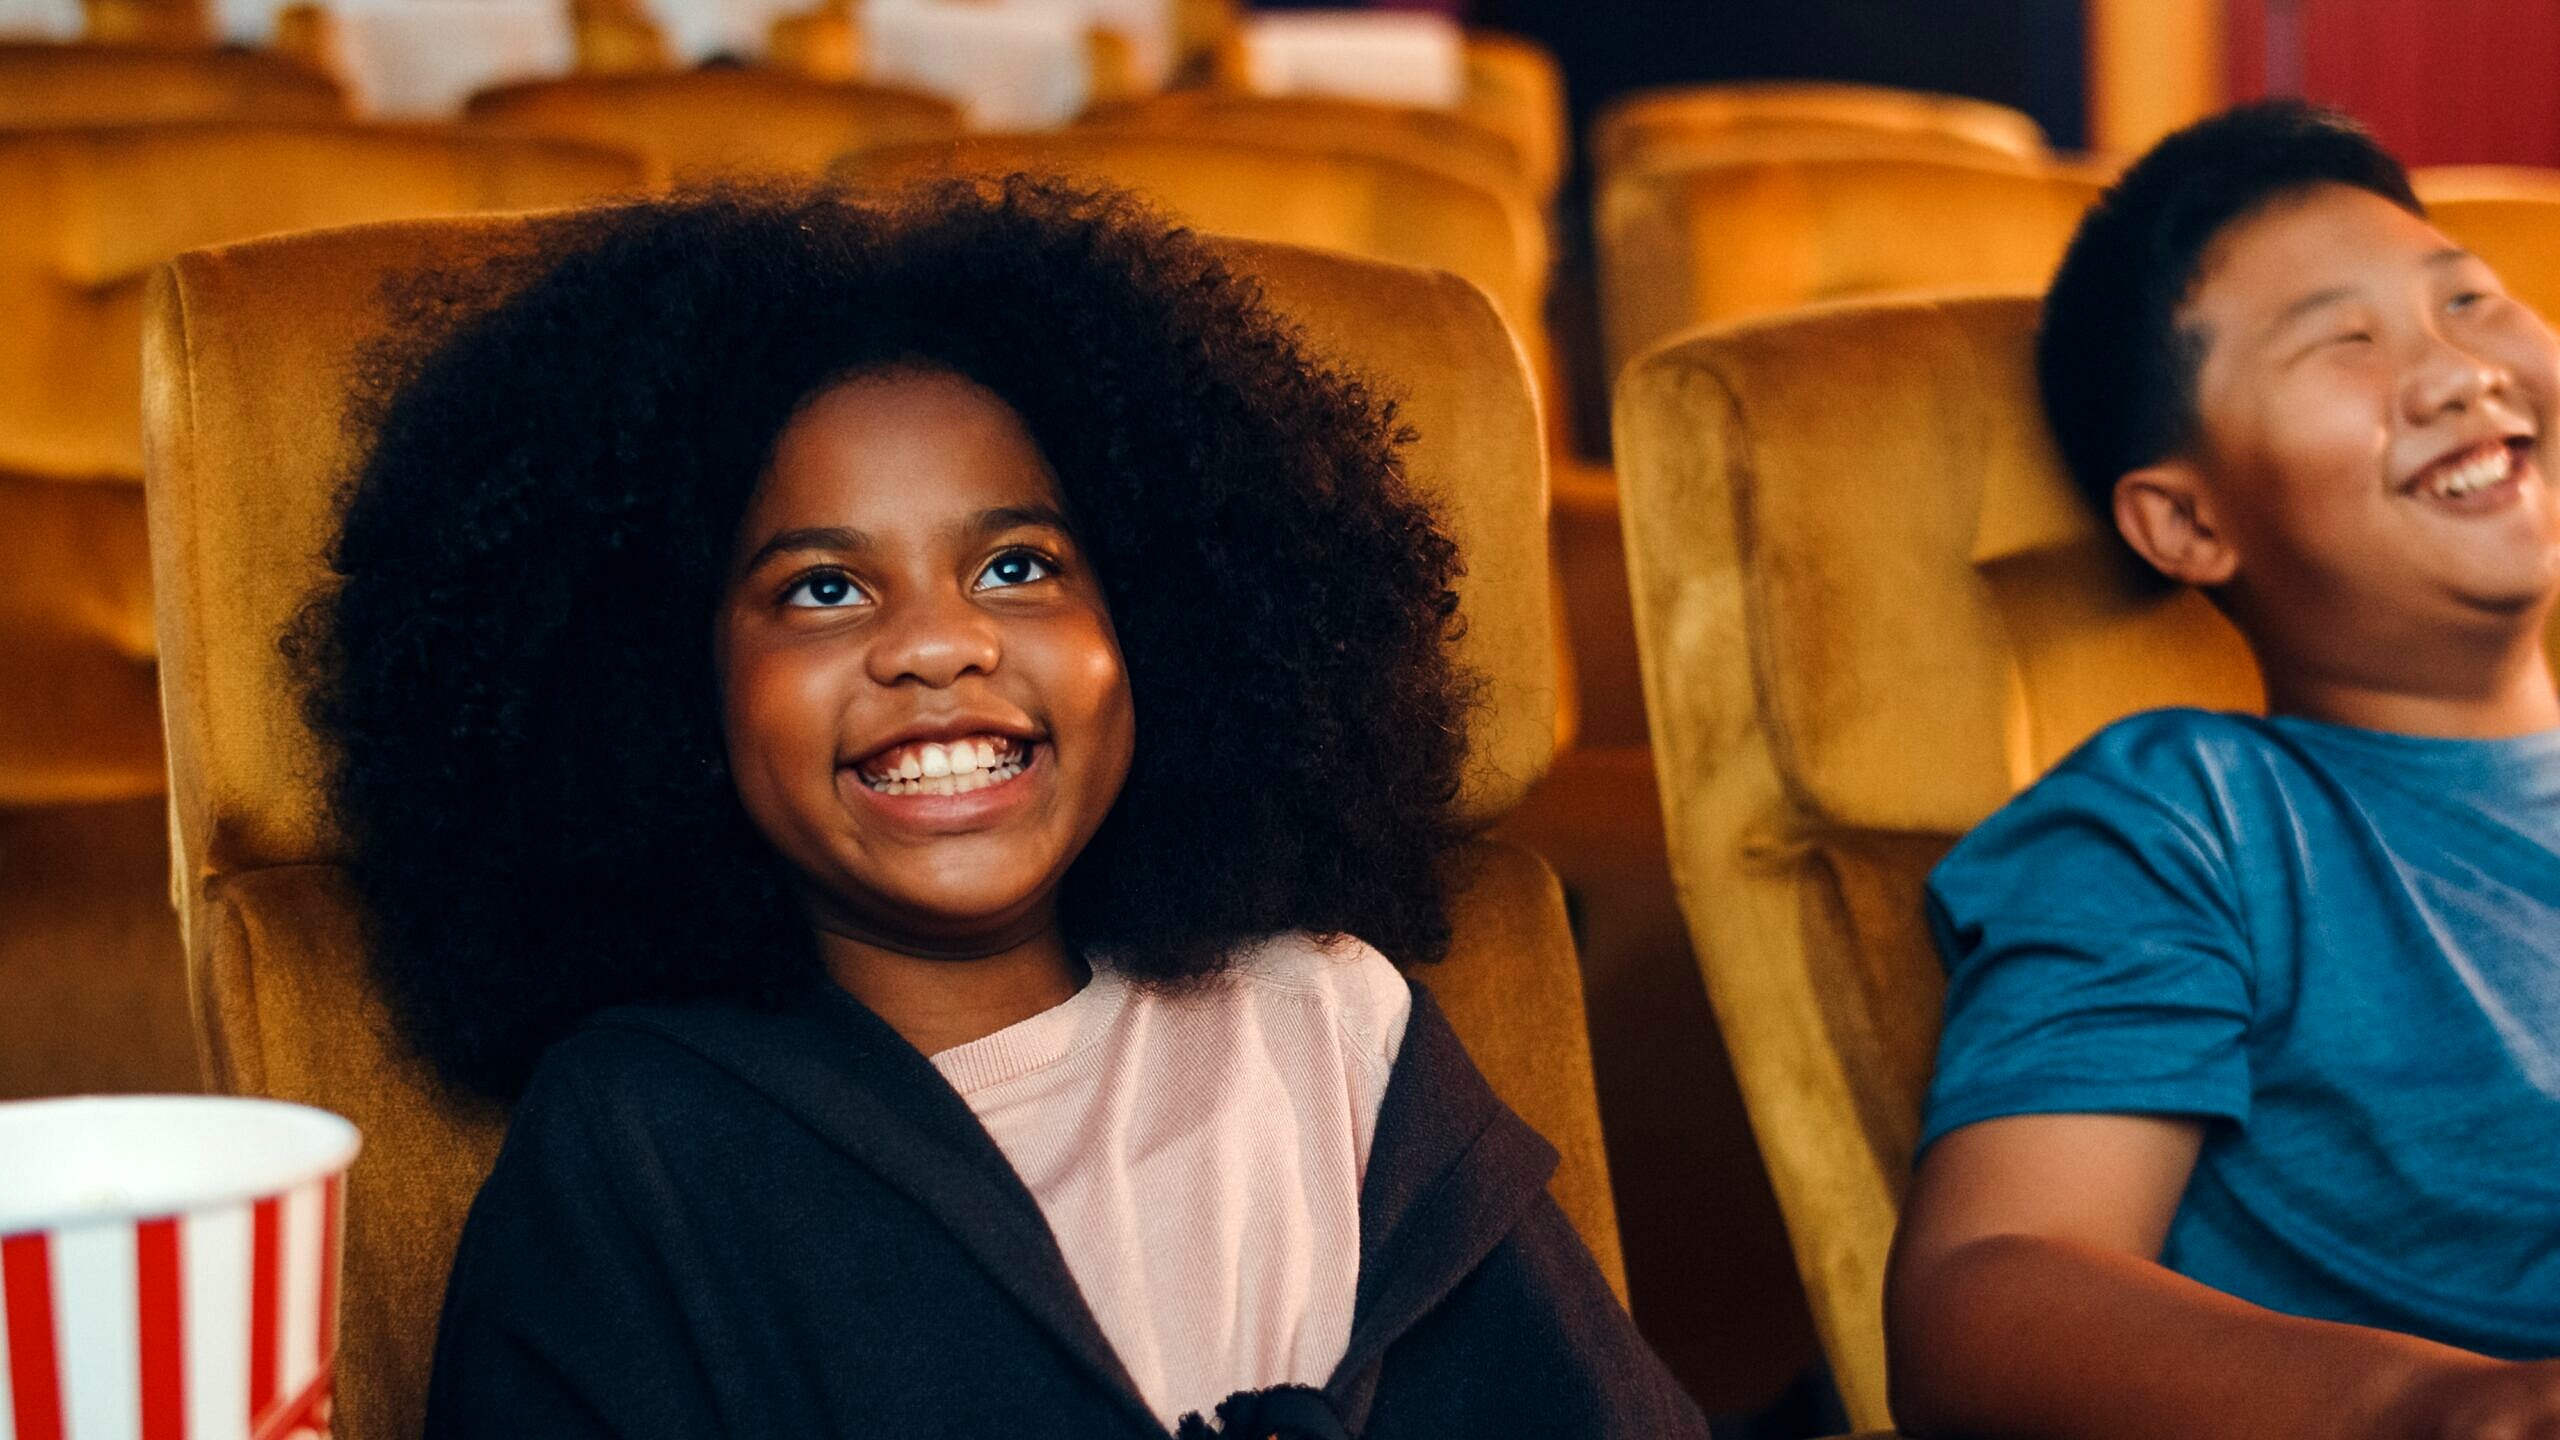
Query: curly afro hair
point(513, 664)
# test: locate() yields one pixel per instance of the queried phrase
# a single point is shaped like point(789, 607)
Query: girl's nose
point(934, 642)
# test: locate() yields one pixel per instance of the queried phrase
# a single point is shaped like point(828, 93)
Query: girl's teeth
point(916, 774)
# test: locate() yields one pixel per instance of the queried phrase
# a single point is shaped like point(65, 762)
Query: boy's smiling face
point(2370, 414)
point(924, 701)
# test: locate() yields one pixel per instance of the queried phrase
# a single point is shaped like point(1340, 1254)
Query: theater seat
point(1360, 203)
point(89, 958)
point(85, 215)
point(1652, 124)
point(246, 356)
point(1442, 139)
point(1690, 245)
point(719, 118)
point(136, 84)
point(1514, 86)
point(2506, 214)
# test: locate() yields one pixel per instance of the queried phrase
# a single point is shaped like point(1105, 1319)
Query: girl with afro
point(909, 741)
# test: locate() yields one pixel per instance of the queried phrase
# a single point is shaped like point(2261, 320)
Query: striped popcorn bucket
point(169, 1268)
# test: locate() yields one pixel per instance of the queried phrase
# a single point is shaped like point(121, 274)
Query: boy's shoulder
point(2186, 783)
point(2175, 747)
point(2212, 769)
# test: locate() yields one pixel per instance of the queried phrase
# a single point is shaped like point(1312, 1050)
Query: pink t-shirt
point(1199, 1157)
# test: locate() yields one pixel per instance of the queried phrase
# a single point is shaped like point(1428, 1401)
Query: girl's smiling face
point(925, 707)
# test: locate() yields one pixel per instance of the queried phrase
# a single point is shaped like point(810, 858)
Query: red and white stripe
point(219, 1324)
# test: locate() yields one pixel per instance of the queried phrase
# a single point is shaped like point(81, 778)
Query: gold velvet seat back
point(247, 353)
point(1870, 610)
point(1359, 203)
point(2509, 215)
point(1682, 247)
point(1441, 139)
point(85, 215)
point(719, 119)
point(1638, 127)
point(132, 84)
point(1514, 86)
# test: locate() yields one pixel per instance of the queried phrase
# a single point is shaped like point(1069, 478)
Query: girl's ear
point(2166, 513)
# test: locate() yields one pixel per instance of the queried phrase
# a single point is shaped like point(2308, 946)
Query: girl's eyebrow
point(835, 538)
point(1012, 517)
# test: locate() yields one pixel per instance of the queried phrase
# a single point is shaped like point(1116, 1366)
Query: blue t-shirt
point(2339, 947)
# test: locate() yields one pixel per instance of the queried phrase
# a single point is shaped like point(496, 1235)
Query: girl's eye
point(2468, 299)
point(826, 590)
point(1014, 567)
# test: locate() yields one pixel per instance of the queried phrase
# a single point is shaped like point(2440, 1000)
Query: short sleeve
point(2096, 960)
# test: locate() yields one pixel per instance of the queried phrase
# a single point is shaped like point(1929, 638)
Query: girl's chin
point(940, 926)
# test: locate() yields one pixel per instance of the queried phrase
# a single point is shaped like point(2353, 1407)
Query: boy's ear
point(2166, 513)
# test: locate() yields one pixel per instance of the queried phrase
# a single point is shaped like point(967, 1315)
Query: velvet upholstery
point(1514, 86)
point(1635, 127)
point(1362, 203)
point(43, 84)
point(89, 954)
point(1444, 140)
point(147, 22)
point(246, 353)
point(85, 214)
point(1698, 244)
point(2507, 214)
point(1863, 628)
point(690, 121)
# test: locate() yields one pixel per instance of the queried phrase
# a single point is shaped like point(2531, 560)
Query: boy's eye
point(2352, 337)
point(2465, 301)
point(825, 590)
point(1014, 567)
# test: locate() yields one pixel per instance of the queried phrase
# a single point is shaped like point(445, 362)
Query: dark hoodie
point(716, 1221)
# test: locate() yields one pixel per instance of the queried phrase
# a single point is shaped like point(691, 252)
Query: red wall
point(2440, 81)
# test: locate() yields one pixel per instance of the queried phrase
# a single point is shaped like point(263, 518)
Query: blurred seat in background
point(84, 84)
point(1703, 244)
point(1514, 86)
point(1007, 68)
point(618, 37)
point(85, 216)
point(1359, 202)
point(2509, 215)
point(1654, 125)
point(718, 118)
point(147, 22)
point(1783, 219)
point(1864, 627)
point(1444, 139)
point(1408, 64)
point(248, 349)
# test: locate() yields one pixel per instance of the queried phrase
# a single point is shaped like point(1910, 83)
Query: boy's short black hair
point(514, 672)
point(2117, 373)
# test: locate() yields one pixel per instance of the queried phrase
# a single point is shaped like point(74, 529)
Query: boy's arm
point(2025, 1299)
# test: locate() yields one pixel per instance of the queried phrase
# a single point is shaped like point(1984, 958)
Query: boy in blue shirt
point(2247, 1112)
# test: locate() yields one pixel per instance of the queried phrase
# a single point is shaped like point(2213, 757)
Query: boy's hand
point(2484, 1400)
